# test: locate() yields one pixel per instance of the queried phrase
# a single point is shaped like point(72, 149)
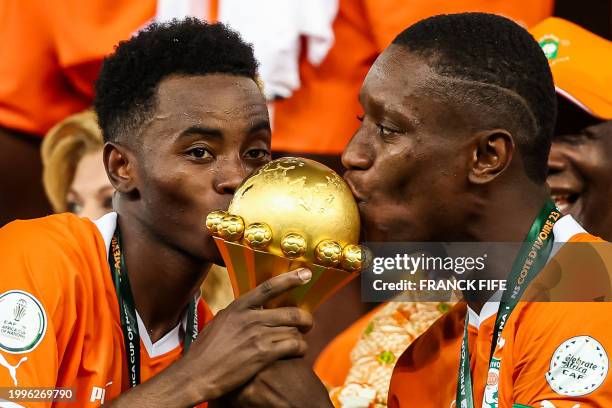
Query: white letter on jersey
point(98, 393)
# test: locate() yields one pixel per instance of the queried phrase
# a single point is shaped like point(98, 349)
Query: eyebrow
point(202, 130)
point(216, 133)
point(261, 125)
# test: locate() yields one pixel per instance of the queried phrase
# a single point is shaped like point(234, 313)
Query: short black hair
point(499, 67)
point(128, 80)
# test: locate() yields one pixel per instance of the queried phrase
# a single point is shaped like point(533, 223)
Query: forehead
point(213, 96)
point(404, 86)
point(396, 75)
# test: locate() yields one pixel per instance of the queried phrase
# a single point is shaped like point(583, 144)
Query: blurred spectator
point(580, 160)
point(73, 175)
point(361, 378)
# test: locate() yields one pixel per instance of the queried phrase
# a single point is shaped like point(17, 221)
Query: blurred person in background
point(73, 174)
point(580, 161)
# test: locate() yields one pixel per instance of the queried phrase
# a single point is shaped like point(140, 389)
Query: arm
point(29, 322)
point(239, 342)
point(563, 356)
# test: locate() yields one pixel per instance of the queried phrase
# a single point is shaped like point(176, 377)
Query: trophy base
point(247, 268)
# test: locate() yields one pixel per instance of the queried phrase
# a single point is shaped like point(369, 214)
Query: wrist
point(193, 389)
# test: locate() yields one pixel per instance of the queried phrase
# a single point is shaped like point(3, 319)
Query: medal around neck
point(291, 213)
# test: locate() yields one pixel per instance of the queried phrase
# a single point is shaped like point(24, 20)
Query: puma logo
point(12, 369)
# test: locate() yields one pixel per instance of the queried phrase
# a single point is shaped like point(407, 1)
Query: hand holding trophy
point(291, 213)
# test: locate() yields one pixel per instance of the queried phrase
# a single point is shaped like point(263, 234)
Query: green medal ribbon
point(531, 259)
point(127, 311)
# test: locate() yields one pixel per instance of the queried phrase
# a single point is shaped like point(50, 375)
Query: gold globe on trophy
point(292, 212)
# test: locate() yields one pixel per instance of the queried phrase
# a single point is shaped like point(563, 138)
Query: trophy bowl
point(292, 212)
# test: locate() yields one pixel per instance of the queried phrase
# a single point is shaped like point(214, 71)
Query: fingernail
point(304, 274)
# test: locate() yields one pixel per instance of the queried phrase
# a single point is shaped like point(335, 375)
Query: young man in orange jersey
point(184, 122)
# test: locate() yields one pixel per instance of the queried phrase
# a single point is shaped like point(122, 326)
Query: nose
point(229, 177)
point(358, 155)
point(557, 162)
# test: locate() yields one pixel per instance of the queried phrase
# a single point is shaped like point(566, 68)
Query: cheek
point(590, 163)
point(408, 173)
point(175, 193)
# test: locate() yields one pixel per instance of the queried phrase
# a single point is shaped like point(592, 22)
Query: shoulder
point(542, 327)
point(47, 255)
point(561, 351)
point(52, 231)
point(579, 271)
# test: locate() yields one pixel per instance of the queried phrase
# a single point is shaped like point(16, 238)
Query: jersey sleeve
point(34, 320)
point(562, 356)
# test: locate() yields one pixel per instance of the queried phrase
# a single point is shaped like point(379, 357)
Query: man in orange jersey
point(184, 123)
point(458, 117)
point(580, 167)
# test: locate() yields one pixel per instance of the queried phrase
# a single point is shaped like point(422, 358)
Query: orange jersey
point(59, 313)
point(52, 52)
point(551, 354)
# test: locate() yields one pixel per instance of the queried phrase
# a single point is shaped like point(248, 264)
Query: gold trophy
point(291, 213)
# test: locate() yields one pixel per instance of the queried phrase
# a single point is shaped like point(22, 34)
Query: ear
point(493, 150)
point(119, 163)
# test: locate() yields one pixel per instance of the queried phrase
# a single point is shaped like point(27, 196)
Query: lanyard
point(127, 311)
point(531, 259)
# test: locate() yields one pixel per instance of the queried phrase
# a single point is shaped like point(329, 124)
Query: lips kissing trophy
point(291, 213)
